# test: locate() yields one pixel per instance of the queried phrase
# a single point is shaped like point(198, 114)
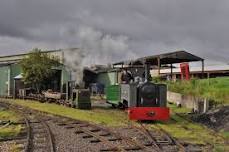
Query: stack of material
point(217, 118)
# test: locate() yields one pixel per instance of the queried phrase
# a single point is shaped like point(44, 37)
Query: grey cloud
point(151, 26)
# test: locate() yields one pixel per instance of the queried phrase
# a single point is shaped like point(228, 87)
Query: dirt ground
point(217, 119)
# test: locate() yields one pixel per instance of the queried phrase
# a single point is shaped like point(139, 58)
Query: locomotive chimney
point(147, 71)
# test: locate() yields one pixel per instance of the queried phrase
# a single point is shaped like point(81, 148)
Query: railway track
point(40, 138)
point(159, 139)
point(98, 134)
point(155, 140)
point(36, 135)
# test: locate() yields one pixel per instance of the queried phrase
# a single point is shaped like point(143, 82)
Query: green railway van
point(113, 94)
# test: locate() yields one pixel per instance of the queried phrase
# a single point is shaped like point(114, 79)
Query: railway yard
point(40, 129)
point(45, 107)
point(47, 130)
point(114, 76)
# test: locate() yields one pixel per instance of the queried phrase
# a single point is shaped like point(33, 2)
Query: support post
point(202, 69)
point(14, 90)
point(147, 72)
point(208, 75)
point(159, 65)
point(117, 77)
point(9, 81)
point(171, 66)
point(67, 84)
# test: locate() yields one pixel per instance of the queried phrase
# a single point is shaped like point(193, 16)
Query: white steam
point(96, 48)
point(73, 59)
point(103, 48)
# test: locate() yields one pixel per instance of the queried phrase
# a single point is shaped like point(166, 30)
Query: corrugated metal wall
point(4, 73)
point(107, 78)
point(15, 69)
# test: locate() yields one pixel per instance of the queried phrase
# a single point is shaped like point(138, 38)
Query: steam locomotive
point(143, 101)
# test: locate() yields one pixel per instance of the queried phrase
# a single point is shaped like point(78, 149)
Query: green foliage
point(156, 79)
point(37, 67)
point(216, 89)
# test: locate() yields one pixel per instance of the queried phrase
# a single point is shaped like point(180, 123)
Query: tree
point(37, 67)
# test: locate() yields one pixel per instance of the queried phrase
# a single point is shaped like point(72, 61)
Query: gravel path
point(67, 141)
point(7, 146)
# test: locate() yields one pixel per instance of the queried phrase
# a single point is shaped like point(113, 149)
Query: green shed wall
point(15, 70)
point(65, 77)
point(4, 71)
point(107, 78)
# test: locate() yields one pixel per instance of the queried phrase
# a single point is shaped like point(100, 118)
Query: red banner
point(185, 73)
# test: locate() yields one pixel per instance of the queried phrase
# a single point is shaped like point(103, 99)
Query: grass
point(9, 130)
point(6, 115)
point(226, 134)
point(216, 89)
point(191, 132)
point(105, 116)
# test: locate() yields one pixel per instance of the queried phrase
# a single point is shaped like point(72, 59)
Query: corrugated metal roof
point(167, 58)
point(18, 57)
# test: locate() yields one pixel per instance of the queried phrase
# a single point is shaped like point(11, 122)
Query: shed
point(8, 72)
point(158, 61)
point(10, 68)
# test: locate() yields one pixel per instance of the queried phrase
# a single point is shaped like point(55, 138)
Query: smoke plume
point(73, 59)
point(96, 47)
point(103, 48)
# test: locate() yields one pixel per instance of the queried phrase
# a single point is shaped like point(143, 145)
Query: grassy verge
point(189, 132)
point(105, 116)
point(9, 130)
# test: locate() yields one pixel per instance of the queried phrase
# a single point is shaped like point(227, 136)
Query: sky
point(114, 30)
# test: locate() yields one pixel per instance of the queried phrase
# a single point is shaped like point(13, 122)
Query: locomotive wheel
point(113, 106)
point(124, 104)
point(120, 105)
